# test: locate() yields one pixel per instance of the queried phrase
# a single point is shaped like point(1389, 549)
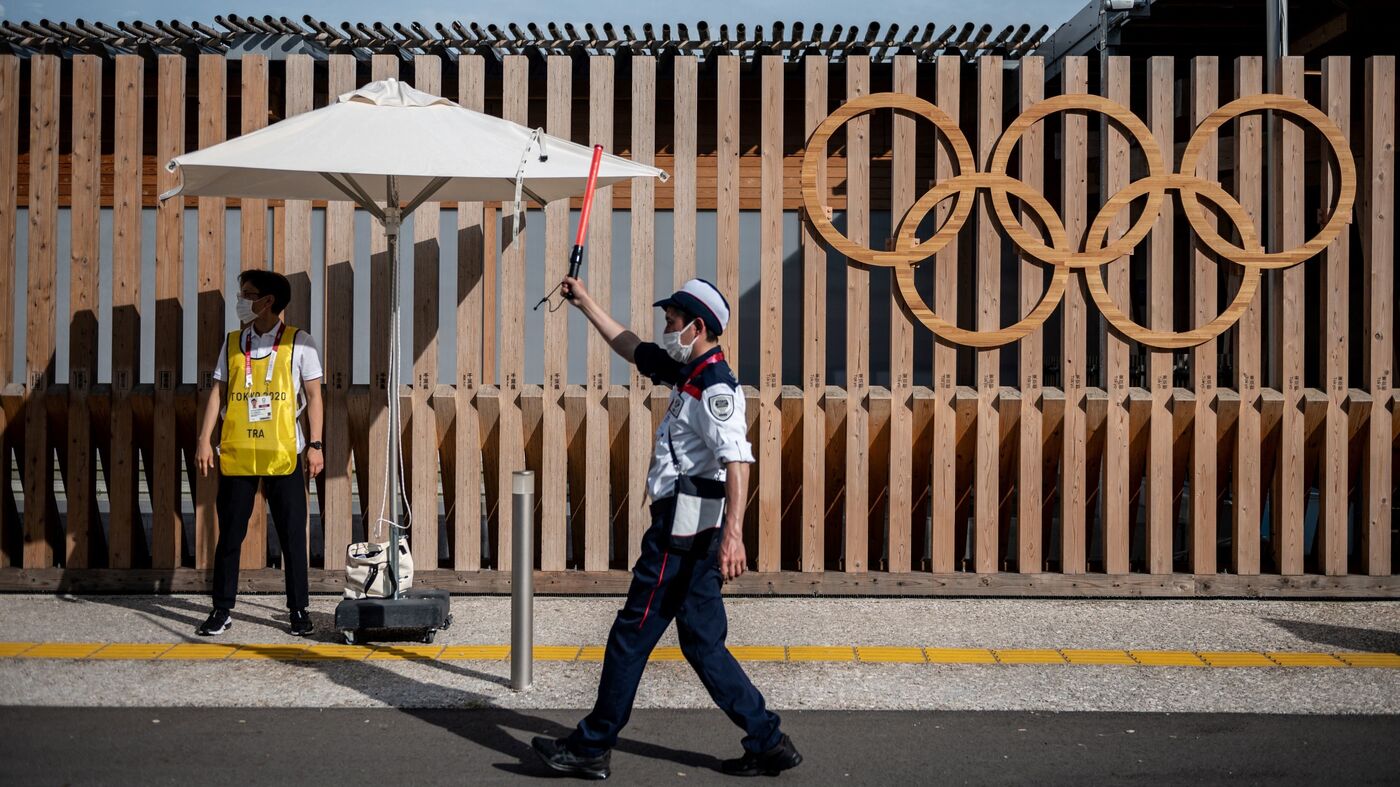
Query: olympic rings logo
point(1059, 252)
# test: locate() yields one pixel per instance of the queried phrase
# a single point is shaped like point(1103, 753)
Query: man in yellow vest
point(267, 373)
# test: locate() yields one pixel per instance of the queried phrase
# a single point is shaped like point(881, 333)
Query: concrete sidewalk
point(850, 684)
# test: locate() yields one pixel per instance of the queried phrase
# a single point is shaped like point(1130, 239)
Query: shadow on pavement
point(1341, 637)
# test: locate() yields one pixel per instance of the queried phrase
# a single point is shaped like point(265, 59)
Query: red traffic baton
point(576, 256)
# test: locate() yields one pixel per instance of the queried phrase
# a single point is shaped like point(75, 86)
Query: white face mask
point(679, 352)
point(244, 307)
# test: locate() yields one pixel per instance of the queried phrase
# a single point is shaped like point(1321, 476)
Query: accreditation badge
point(259, 408)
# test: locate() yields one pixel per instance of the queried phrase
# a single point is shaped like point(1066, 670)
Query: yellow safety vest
point(260, 419)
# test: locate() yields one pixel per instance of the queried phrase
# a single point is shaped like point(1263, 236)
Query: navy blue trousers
point(684, 587)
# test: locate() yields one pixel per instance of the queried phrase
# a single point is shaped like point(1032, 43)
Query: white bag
point(367, 570)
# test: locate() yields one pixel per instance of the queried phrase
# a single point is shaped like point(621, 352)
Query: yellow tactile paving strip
point(878, 654)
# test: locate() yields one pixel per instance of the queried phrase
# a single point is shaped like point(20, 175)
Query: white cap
point(702, 299)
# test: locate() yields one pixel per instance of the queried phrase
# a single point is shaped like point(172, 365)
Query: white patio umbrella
point(386, 143)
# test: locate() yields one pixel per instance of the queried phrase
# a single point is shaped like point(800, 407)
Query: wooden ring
point(815, 156)
point(1169, 340)
point(914, 305)
point(1346, 194)
point(1092, 256)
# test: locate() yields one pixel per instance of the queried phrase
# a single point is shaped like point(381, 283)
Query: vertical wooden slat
point(43, 263)
point(10, 113)
point(1117, 481)
point(901, 505)
point(987, 496)
point(639, 424)
point(379, 506)
point(597, 429)
point(167, 530)
point(126, 305)
point(770, 424)
point(1074, 185)
point(683, 185)
point(471, 253)
point(1160, 516)
point(1289, 491)
point(943, 491)
point(85, 264)
point(515, 92)
point(209, 309)
point(252, 228)
point(1246, 495)
point(1205, 98)
point(1030, 493)
point(857, 325)
point(814, 351)
point(1378, 254)
point(339, 311)
point(1334, 480)
point(553, 481)
point(427, 76)
point(294, 243)
point(727, 197)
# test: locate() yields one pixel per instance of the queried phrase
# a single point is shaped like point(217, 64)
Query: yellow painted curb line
point(877, 654)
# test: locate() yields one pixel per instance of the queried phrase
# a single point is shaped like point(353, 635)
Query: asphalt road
point(389, 746)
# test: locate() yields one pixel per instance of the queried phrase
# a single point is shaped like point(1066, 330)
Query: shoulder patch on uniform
point(721, 406)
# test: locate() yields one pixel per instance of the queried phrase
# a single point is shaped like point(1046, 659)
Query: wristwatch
point(315, 444)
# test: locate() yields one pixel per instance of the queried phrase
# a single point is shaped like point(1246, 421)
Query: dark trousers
point(286, 498)
point(684, 587)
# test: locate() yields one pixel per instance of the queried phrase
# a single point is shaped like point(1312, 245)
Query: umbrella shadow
point(181, 616)
point(476, 717)
point(1341, 637)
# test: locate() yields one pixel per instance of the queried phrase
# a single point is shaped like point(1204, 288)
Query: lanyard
point(686, 387)
point(248, 355)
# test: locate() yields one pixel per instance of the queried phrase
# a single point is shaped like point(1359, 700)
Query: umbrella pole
point(393, 219)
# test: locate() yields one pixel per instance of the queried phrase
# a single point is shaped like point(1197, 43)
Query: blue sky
point(905, 12)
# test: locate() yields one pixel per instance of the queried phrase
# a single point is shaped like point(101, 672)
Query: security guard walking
point(697, 484)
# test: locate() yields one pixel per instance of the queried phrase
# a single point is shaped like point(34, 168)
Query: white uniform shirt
point(306, 365)
point(706, 432)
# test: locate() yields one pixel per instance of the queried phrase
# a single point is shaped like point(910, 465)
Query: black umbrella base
point(419, 613)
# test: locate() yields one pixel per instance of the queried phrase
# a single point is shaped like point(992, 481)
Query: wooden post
point(252, 222)
point(43, 263)
point(770, 416)
point(639, 425)
point(294, 247)
point(515, 103)
point(1118, 482)
point(598, 435)
point(683, 185)
point(987, 497)
point(1030, 492)
point(1378, 255)
point(10, 113)
point(727, 197)
point(209, 308)
point(1204, 363)
point(167, 530)
point(83, 308)
point(1334, 479)
point(1074, 185)
point(1161, 512)
point(857, 325)
point(1248, 500)
point(123, 525)
point(1289, 491)
point(339, 313)
point(553, 481)
point(427, 76)
point(814, 351)
point(901, 513)
point(943, 491)
point(471, 257)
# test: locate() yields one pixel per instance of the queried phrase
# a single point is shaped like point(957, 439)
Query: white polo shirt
point(306, 364)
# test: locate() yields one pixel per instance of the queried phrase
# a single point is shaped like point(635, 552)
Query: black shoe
point(301, 623)
point(769, 763)
point(557, 756)
point(217, 623)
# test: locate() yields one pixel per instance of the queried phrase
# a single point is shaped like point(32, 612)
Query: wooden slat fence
point(1074, 461)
